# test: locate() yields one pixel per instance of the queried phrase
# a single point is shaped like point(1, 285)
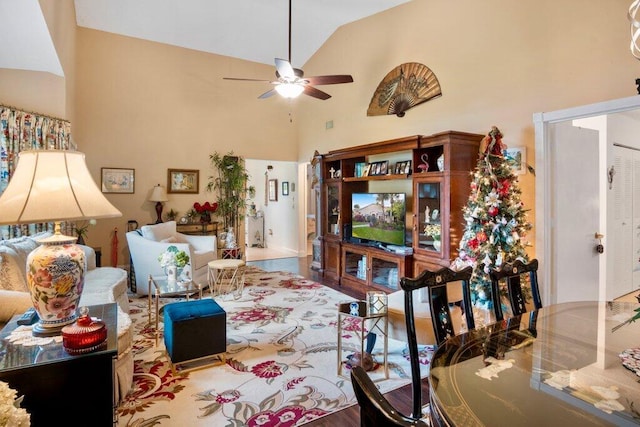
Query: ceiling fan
point(290, 82)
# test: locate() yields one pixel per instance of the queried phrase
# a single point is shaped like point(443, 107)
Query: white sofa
point(147, 243)
point(102, 285)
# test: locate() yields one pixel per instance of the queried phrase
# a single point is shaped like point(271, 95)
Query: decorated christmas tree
point(496, 221)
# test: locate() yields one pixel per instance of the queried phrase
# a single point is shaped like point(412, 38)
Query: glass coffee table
point(160, 287)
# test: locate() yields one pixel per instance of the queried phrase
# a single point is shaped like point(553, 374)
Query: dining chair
point(436, 284)
point(375, 409)
point(512, 273)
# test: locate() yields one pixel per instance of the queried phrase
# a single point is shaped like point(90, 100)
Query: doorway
point(272, 222)
point(576, 204)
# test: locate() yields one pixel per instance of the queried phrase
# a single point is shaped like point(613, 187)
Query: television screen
point(379, 217)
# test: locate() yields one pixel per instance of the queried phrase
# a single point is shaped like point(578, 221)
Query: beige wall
point(60, 16)
point(497, 62)
point(35, 91)
point(151, 107)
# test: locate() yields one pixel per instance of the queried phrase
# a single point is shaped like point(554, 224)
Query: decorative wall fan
point(290, 82)
point(402, 88)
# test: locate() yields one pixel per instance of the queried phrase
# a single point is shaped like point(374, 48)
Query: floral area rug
point(281, 361)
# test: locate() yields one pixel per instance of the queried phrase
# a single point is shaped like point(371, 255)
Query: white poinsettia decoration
point(492, 199)
point(11, 414)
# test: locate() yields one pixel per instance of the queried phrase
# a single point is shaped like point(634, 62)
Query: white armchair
point(146, 244)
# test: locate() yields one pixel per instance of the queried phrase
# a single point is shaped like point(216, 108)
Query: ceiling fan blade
point(246, 80)
point(268, 94)
point(330, 80)
point(285, 69)
point(316, 93)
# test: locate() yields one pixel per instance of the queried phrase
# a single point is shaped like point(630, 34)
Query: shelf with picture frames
point(435, 179)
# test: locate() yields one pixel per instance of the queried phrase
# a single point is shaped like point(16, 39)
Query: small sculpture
point(424, 166)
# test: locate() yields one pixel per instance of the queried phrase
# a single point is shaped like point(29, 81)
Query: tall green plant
point(230, 183)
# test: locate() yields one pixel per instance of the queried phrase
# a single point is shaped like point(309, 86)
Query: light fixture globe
point(290, 90)
point(54, 186)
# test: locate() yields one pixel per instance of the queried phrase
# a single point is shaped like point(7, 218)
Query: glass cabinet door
point(355, 264)
point(428, 213)
point(384, 273)
point(333, 209)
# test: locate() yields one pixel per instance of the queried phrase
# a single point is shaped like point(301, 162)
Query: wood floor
point(350, 417)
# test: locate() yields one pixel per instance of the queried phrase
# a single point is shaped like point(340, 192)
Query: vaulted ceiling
point(253, 30)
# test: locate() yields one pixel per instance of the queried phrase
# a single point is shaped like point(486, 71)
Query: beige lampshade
point(159, 194)
point(52, 185)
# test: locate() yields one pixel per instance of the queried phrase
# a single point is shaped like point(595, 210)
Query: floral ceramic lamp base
point(55, 276)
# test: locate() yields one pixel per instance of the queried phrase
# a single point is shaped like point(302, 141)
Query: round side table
point(226, 276)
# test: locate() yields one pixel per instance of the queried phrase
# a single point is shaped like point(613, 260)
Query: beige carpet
point(281, 367)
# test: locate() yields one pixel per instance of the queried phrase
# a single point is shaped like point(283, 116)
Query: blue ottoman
point(195, 330)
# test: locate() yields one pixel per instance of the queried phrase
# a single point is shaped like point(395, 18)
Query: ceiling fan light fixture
point(290, 90)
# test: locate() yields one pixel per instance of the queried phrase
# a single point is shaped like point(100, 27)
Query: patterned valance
point(25, 130)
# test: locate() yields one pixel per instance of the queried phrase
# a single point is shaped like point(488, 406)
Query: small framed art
point(118, 180)
point(273, 190)
point(285, 188)
point(517, 158)
point(183, 181)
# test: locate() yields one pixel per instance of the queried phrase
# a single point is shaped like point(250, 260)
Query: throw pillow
point(171, 239)
point(157, 232)
point(12, 274)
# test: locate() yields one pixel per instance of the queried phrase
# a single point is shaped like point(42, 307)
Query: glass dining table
point(569, 364)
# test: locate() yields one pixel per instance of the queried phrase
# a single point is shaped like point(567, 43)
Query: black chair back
point(436, 284)
point(511, 273)
point(375, 410)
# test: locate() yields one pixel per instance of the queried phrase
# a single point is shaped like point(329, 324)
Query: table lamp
point(54, 186)
point(158, 195)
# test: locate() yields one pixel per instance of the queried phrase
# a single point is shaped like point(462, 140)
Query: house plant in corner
point(230, 183)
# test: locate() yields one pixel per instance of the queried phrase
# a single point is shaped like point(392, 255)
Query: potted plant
point(230, 183)
point(172, 215)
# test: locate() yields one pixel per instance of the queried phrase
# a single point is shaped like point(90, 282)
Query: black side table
point(60, 389)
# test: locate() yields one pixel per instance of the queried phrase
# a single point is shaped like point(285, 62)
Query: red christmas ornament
point(493, 211)
point(503, 190)
point(473, 244)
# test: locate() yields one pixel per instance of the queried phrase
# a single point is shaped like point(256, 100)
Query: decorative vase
point(55, 277)
point(231, 239)
point(172, 273)
point(440, 162)
point(437, 245)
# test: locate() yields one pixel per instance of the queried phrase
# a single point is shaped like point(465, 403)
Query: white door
point(564, 230)
point(620, 222)
point(624, 221)
point(575, 212)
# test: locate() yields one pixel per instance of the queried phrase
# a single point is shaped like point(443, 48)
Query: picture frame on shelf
point(398, 168)
point(367, 170)
point(117, 180)
point(384, 167)
point(184, 181)
point(516, 157)
point(285, 188)
point(407, 167)
point(273, 190)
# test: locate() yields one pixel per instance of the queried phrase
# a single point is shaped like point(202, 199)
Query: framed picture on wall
point(285, 188)
point(273, 190)
point(183, 181)
point(517, 158)
point(118, 180)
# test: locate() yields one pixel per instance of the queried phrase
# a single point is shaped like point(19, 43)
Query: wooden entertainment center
point(433, 198)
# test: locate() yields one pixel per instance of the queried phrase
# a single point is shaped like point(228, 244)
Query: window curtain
point(25, 130)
